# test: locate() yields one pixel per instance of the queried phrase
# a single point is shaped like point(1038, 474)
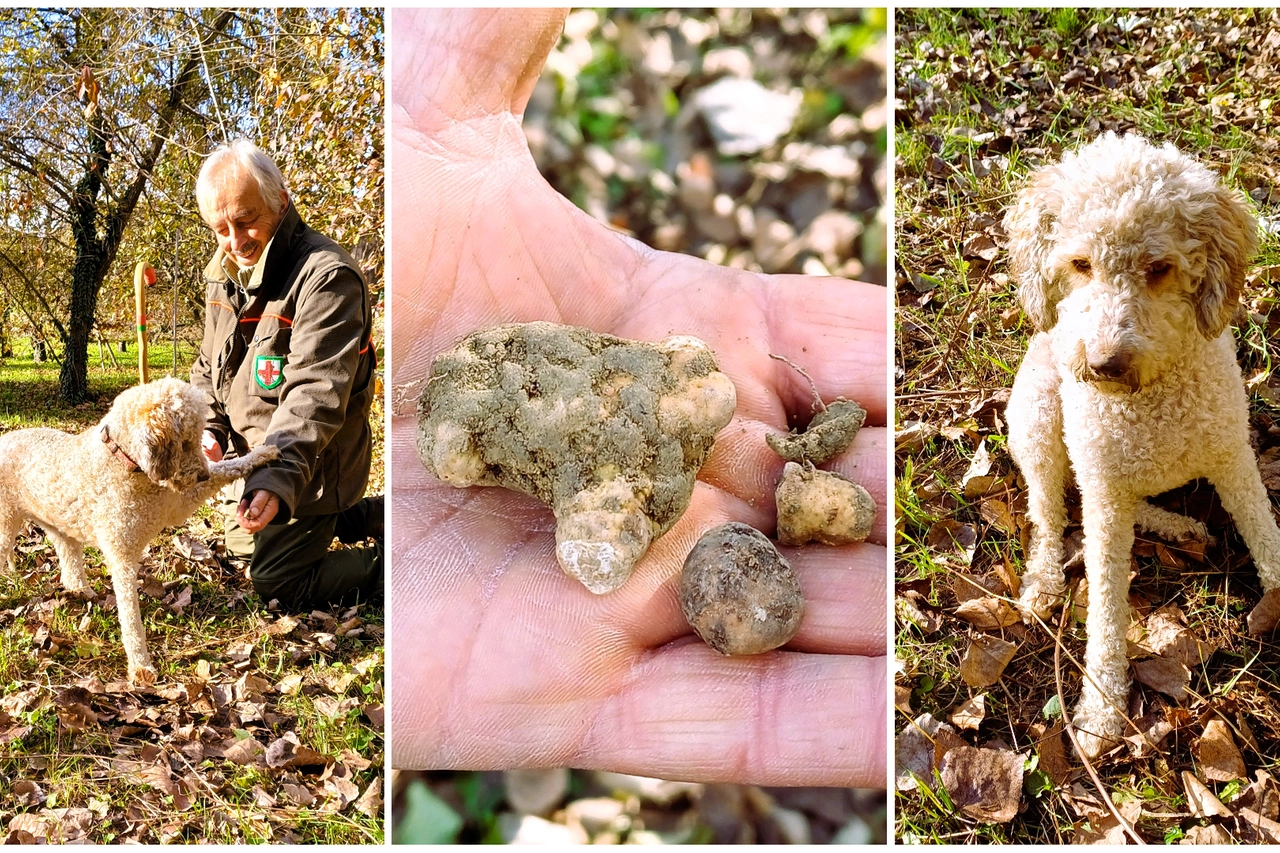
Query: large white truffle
point(610, 433)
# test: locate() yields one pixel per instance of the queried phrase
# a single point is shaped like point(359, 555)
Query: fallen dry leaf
point(27, 793)
point(911, 608)
point(1266, 615)
point(1169, 676)
point(969, 715)
point(948, 536)
point(1259, 828)
point(370, 802)
point(1168, 637)
point(902, 698)
point(1210, 834)
point(1202, 802)
point(985, 659)
point(914, 750)
point(1219, 757)
point(987, 613)
point(1053, 754)
point(985, 784)
point(968, 587)
point(1106, 829)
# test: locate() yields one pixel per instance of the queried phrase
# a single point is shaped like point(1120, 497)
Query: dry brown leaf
point(244, 751)
point(370, 802)
point(986, 784)
point(1168, 676)
point(998, 515)
point(1168, 637)
point(985, 659)
point(1053, 754)
point(969, 715)
point(1211, 834)
point(27, 793)
point(1266, 615)
point(913, 749)
point(1216, 751)
point(1106, 829)
point(902, 698)
point(948, 536)
point(1200, 800)
point(911, 609)
point(1259, 829)
point(966, 587)
point(298, 794)
point(375, 714)
point(979, 465)
point(988, 613)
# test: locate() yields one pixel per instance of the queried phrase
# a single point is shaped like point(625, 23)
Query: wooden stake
point(143, 275)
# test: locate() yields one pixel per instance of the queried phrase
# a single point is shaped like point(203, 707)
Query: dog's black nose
point(1113, 366)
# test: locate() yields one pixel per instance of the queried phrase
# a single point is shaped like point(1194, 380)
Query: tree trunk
point(95, 247)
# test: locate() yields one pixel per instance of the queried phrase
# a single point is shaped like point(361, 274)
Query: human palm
point(502, 660)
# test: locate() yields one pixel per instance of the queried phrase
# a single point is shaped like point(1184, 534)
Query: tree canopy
point(105, 116)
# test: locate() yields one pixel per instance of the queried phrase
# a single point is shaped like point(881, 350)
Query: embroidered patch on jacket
point(268, 371)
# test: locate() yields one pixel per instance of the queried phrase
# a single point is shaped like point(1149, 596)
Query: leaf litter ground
point(983, 98)
point(263, 726)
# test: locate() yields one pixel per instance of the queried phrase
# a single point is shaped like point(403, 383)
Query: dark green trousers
point(293, 564)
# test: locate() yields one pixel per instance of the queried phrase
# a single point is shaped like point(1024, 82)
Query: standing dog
point(1130, 260)
point(115, 487)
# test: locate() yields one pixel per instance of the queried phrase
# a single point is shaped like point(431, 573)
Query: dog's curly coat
point(85, 490)
point(1130, 260)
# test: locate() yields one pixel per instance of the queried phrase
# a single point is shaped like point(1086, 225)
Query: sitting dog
point(115, 487)
point(1130, 260)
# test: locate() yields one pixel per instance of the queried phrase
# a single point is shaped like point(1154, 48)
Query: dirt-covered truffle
point(821, 506)
point(828, 434)
point(738, 593)
point(610, 433)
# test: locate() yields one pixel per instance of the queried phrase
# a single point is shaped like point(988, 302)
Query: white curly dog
point(1130, 260)
point(115, 487)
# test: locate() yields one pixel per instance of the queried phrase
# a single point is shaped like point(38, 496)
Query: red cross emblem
point(268, 370)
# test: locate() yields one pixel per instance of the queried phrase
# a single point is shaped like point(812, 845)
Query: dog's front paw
point(1098, 729)
point(142, 676)
point(1039, 598)
point(264, 453)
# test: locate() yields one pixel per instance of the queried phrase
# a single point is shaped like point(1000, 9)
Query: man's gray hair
point(234, 158)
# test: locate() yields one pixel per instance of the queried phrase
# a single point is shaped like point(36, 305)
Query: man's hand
point(256, 510)
point(209, 444)
point(512, 663)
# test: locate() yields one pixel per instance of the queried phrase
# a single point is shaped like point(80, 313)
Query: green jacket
point(289, 361)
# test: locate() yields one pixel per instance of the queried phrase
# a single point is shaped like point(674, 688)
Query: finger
point(780, 719)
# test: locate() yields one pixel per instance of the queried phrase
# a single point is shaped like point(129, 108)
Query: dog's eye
point(1081, 264)
point(1158, 269)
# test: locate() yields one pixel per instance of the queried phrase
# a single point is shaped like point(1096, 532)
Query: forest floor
point(263, 726)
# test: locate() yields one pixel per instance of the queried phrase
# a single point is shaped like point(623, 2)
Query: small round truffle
point(738, 593)
point(822, 506)
point(828, 434)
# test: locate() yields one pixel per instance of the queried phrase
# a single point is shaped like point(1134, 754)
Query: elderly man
point(288, 360)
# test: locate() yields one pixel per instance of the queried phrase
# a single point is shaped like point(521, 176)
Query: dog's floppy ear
point(159, 443)
point(1230, 237)
point(1028, 224)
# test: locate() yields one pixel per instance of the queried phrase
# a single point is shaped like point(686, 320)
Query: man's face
point(241, 220)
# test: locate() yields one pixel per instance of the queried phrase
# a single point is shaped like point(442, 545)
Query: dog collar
point(117, 451)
